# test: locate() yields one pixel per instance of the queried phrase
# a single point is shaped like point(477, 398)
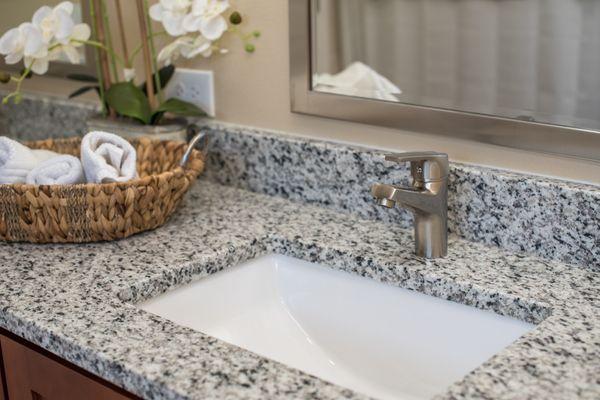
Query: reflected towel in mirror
point(359, 80)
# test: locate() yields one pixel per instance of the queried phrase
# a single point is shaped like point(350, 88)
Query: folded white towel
point(60, 170)
point(17, 160)
point(107, 158)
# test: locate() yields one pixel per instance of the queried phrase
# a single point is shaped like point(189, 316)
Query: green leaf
point(82, 90)
point(177, 107)
point(156, 117)
point(164, 74)
point(128, 100)
point(83, 78)
point(180, 107)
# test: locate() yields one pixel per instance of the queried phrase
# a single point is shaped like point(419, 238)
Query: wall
point(253, 90)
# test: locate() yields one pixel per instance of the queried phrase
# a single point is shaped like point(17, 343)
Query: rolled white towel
point(60, 170)
point(107, 158)
point(17, 160)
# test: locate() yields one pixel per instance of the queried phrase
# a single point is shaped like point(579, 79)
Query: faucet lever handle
point(425, 166)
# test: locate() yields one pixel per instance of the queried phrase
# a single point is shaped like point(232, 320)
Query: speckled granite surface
point(75, 300)
point(38, 117)
point(545, 217)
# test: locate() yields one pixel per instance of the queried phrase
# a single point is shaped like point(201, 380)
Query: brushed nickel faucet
point(427, 198)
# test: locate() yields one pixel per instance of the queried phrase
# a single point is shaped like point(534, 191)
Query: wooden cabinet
point(33, 374)
point(2, 385)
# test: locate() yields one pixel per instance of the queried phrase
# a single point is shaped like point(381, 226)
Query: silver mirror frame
point(531, 136)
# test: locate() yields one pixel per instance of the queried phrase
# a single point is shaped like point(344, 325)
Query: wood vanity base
point(31, 373)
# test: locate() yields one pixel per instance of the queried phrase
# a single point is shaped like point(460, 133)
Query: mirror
point(19, 11)
point(536, 60)
point(517, 73)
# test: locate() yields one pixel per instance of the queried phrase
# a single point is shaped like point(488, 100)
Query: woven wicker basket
point(95, 212)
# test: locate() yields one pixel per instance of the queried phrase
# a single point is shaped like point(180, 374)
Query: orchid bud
point(235, 18)
point(4, 77)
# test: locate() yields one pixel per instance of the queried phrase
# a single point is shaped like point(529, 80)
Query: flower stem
point(100, 46)
point(146, 52)
point(245, 38)
point(157, 83)
point(137, 50)
point(122, 32)
point(109, 44)
point(98, 62)
point(16, 94)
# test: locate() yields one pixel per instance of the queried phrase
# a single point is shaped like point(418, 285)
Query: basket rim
point(196, 155)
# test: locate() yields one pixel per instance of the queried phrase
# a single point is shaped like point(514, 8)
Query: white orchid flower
point(39, 65)
point(172, 51)
point(206, 17)
point(185, 46)
point(171, 13)
point(80, 34)
point(51, 32)
point(200, 45)
point(129, 74)
point(12, 46)
point(24, 41)
point(55, 23)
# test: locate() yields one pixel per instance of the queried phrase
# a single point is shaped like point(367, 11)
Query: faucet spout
point(384, 202)
point(412, 198)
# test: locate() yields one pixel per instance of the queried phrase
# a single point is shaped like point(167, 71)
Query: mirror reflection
point(536, 60)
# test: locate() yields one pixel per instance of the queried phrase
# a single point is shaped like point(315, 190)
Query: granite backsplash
point(547, 217)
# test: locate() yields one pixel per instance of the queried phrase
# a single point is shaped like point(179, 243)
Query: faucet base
point(430, 235)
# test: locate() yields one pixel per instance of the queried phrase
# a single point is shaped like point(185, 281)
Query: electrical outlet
point(194, 86)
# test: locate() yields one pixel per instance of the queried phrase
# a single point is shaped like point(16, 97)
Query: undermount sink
point(376, 339)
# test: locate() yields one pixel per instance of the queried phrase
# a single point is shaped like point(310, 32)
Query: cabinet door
point(31, 375)
point(2, 388)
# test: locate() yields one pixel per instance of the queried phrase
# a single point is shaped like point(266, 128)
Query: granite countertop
point(77, 301)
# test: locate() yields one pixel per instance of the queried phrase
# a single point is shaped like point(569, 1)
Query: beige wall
point(253, 90)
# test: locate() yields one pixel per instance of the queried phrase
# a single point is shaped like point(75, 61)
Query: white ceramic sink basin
point(379, 340)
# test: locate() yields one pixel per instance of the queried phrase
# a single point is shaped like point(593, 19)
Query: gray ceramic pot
point(172, 130)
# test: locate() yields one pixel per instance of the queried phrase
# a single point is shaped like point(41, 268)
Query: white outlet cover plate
point(194, 86)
